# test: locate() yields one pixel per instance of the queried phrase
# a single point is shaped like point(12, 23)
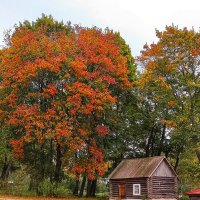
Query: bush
point(102, 188)
point(17, 184)
point(19, 181)
point(55, 189)
point(184, 197)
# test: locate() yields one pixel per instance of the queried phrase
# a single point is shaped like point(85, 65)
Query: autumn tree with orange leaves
point(57, 82)
point(169, 87)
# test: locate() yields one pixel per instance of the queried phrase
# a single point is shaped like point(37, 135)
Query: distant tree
point(170, 85)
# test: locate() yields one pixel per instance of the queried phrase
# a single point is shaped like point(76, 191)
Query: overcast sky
point(135, 19)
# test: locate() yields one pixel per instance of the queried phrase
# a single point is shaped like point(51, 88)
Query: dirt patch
point(10, 197)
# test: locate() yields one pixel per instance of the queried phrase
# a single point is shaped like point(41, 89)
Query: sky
point(136, 20)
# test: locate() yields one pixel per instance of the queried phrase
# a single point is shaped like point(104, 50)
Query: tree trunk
point(153, 143)
point(89, 185)
point(6, 169)
point(160, 150)
point(82, 186)
point(198, 154)
point(148, 145)
point(41, 175)
point(51, 161)
point(177, 162)
point(93, 188)
point(76, 188)
point(57, 175)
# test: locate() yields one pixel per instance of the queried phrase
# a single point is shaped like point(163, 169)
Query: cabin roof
point(137, 168)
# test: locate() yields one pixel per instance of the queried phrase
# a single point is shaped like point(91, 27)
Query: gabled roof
point(193, 192)
point(137, 168)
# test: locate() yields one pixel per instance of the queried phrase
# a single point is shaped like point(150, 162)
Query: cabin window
point(136, 189)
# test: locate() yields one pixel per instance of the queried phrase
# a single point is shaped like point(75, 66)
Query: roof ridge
point(144, 158)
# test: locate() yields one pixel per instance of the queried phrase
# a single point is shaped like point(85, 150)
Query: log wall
point(114, 185)
point(163, 187)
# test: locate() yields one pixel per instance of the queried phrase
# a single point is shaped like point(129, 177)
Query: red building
point(194, 194)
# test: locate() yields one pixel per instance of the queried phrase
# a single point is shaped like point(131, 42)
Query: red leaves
point(57, 84)
point(11, 101)
point(18, 147)
point(102, 130)
point(84, 131)
point(52, 90)
point(93, 164)
point(85, 100)
point(109, 79)
point(63, 129)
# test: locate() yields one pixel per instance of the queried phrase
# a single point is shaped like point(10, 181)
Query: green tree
point(171, 77)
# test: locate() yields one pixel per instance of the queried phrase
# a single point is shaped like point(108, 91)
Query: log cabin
point(150, 178)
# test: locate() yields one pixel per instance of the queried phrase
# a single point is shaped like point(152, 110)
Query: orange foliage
point(53, 82)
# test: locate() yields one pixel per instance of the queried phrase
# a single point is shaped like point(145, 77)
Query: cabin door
point(122, 191)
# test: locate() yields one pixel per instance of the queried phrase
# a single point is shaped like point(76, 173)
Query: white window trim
point(134, 192)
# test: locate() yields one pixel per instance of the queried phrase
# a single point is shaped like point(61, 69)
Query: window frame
point(134, 192)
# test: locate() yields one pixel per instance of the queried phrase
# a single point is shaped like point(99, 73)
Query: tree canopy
point(73, 103)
